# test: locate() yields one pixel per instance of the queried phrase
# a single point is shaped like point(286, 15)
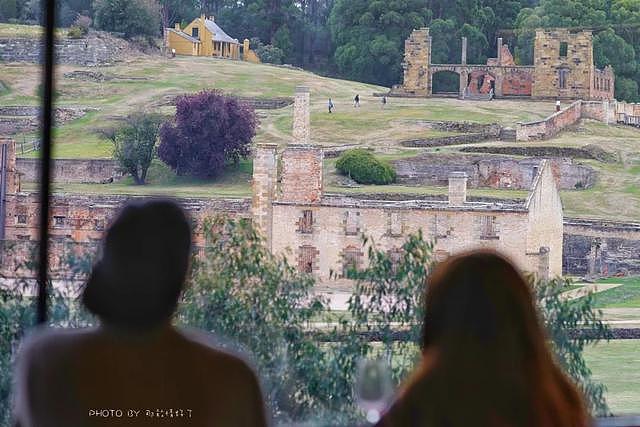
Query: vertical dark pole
point(49, 7)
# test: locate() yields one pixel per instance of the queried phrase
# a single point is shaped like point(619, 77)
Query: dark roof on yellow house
point(218, 33)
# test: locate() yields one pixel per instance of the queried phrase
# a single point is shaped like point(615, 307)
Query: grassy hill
point(148, 83)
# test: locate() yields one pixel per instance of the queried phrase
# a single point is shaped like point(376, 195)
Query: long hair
point(491, 364)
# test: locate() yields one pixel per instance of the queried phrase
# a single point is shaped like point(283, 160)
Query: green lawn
point(617, 365)
point(161, 181)
point(625, 296)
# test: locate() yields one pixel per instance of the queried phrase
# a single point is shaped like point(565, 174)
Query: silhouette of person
point(356, 100)
point(485, 360)
point(135, 367)
point(330, 105)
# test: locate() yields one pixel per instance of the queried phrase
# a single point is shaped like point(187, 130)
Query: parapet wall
point(604, 111)
point(551, 126)
point(97, 48)
point(67, 171)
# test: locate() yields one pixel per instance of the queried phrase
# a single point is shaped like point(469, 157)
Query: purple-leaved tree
point(209, 131)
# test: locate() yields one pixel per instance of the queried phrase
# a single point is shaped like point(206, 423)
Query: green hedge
point(364, 168)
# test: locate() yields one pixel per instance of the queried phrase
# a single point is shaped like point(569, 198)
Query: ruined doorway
point(445, 83)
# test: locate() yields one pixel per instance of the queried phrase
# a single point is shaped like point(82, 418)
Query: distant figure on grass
point(135, 360)
point(330, 105)
point(558, 105)
point(356, 100)
point(485, 358)
point(384, 101)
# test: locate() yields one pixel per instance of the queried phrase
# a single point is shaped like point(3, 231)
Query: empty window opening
point(489, 229)
point(306, 222)
point(195, 33)
point(395, 224)
point(441, 227)
point(562, 78)
point(350, 260)
point(58, 221)
point(395, 256)
point(564, 48)
point(307, 259)
point(352, 223)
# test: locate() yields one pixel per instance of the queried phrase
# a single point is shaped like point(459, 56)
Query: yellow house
point(203, 37)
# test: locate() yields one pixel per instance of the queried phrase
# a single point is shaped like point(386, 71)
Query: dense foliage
point(135, 144)
point(209, 131)
point(129, 17)
point(364, 168)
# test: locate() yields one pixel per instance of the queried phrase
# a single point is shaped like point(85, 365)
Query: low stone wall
point(470, 133)
point(22, 118)
point(98, 48)
point(66, 171)
point(441, 141)
point(600, 248)
point(266, 103)
point(551, 126)
point(589, 151)
point(490, 171)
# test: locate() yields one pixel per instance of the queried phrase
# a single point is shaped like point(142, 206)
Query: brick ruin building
point(324, 230)
point(563, 68)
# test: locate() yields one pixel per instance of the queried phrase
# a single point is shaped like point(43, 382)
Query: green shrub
point(75, 32)
point(363, 167)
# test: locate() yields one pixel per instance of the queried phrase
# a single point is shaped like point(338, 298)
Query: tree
point(135, 145)
point(129, 17)
point(369, 37)
point(8, 10)
point(209, 131)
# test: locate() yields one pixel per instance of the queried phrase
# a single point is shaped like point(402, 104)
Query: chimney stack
point(457, 188)
point(499, 50)
point(177, 27)
point(464, 50)
point(301, 120)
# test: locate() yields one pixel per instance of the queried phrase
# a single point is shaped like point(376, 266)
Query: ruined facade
point(324, 230)
point(563, 69)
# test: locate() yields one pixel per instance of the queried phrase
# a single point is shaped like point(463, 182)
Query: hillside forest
point(363, 40)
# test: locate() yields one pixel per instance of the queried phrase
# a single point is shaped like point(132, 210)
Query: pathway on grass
point(585, 289)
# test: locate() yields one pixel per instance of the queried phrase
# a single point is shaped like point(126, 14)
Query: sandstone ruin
point(563, 68)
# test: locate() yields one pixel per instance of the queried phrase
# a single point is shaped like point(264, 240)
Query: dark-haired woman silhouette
point(485, 361)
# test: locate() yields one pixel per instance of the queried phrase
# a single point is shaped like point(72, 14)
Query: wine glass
point(373, 388)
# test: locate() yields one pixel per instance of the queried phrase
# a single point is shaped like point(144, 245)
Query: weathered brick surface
point(417, 58)
point(301, 116)
point(490, 171)
point(551, 126)
point(71, 170)
point(601, 248)
point(265, 173)
point(301, 180)
point(96, 49)
point(581, 76)
point(580, 79)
